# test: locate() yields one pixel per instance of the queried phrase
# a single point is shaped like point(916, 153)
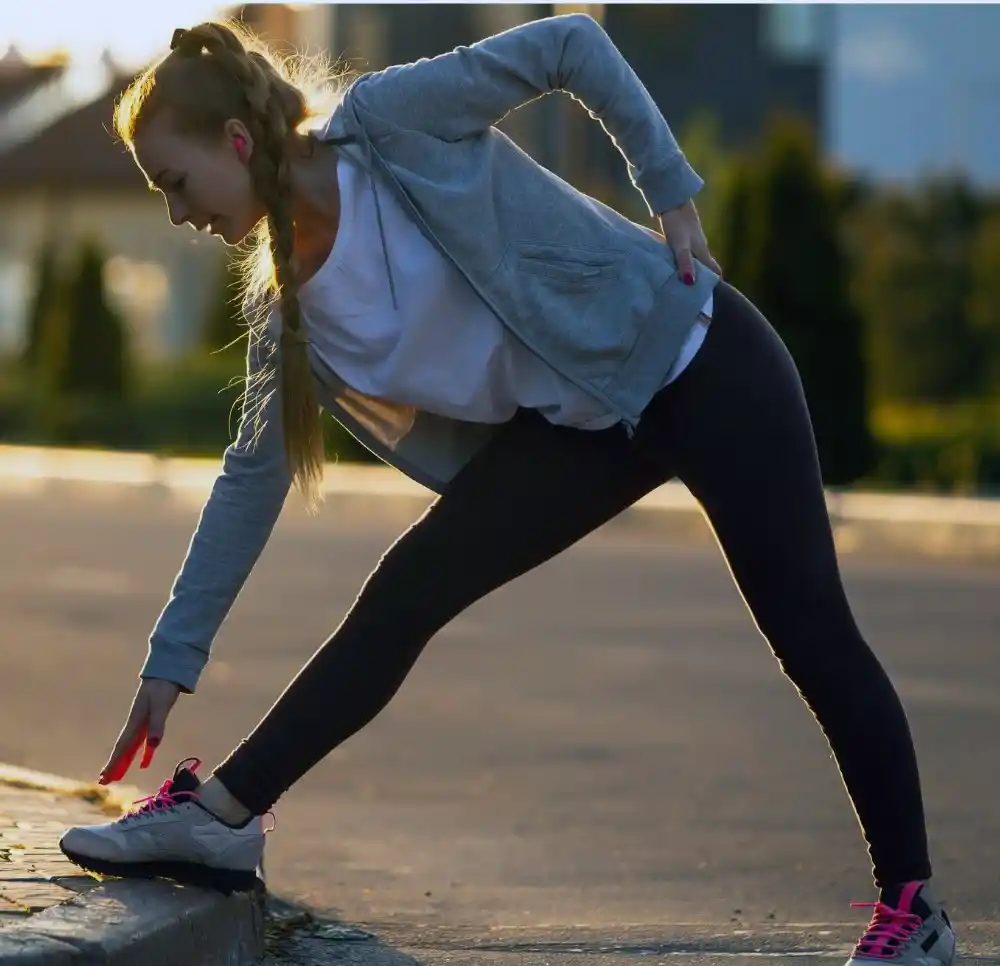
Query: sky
point(135, 32)
point(917, 86)
point(913, 86)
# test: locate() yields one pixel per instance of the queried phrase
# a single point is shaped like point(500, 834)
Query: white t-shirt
point(443, 351)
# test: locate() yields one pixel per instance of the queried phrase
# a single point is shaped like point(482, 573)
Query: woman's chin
point(230, 236)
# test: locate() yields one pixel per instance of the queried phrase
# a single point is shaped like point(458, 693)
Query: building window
point(793, 31)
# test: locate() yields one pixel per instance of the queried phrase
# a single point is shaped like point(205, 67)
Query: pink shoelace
point(887, 933)
point(165, 797)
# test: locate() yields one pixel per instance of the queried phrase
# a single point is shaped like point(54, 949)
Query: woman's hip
point(741, 391)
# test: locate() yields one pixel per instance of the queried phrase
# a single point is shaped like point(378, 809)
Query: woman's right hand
point(145, 725)
point(682, 228)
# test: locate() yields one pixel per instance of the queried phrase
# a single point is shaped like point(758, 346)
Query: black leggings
point(736, 430)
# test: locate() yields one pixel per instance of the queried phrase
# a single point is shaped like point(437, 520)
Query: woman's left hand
point(682, 228)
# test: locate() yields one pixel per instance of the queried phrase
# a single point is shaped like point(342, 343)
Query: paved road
point(605, 742)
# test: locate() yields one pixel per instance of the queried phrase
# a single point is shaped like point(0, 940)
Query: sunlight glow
point(133, 33)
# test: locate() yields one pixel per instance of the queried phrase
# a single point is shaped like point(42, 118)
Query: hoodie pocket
point(569, 305)
point(567, 266)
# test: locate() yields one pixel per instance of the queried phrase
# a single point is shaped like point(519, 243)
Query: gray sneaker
point(172, 836)
point(908, 928)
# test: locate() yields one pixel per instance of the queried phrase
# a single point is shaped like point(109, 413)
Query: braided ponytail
point(216, 71)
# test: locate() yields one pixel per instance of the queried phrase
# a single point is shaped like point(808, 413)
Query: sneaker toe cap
point(86, 840)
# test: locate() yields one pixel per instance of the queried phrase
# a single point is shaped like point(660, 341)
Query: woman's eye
point(178, 185)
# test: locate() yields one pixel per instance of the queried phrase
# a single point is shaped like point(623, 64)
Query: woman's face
point(206, 184)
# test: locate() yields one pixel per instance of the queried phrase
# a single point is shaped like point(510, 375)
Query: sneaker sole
point(226, 881)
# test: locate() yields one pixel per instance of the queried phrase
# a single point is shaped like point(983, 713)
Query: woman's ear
point(239, 137)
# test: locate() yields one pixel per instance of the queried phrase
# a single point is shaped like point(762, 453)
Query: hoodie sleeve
point(235, 525)
point(462, 93)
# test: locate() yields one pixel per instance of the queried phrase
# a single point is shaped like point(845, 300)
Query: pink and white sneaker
point(172, 836)
point(908, 928)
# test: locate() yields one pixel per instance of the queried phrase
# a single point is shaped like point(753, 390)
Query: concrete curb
point(127, 922)
point(124, 923)
point(910, 523)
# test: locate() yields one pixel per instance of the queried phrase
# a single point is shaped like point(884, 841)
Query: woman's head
point(214, 126)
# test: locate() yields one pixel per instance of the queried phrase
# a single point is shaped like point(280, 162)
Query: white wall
point(160, 276)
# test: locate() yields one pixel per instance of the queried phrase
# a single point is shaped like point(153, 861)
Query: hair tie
point(183, 41)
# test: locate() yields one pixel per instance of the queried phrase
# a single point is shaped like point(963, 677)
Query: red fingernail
point(688, 278)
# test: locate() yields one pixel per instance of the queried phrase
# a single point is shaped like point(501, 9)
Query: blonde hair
point(216, 71)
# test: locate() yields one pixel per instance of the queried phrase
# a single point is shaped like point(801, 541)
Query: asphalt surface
point(601, 761)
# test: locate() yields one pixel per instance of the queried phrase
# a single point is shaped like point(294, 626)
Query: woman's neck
point(315, 206)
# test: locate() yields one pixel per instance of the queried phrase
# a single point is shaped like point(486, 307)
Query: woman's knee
point(815, 643)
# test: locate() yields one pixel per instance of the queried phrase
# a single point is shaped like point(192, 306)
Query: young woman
point(530, 354)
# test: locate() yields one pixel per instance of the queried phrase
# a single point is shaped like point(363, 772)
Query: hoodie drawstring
point(351, 139)
point(381, 232)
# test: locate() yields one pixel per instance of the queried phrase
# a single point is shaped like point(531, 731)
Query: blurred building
point(734, 62)
point(366, 37)
point(286, 27)
point(63, 176)
point(21, 81)
point(737, 62)
point(71, 180)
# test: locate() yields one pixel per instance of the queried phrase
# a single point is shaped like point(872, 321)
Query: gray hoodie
point(596, 295)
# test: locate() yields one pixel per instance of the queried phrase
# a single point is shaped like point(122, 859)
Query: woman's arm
point(461, 93)
point(235, 525)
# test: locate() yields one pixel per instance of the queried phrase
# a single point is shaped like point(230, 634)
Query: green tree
point(44, 304)
point(984, 301)
point(783, 249)
point(913, 278)
point(734, 250)
point(93, 359)
point(703, 147)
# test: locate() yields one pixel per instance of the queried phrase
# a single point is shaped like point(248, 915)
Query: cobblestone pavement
point(34, 874)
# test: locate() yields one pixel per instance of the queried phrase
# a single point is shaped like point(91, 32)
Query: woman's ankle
point(215, 797)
